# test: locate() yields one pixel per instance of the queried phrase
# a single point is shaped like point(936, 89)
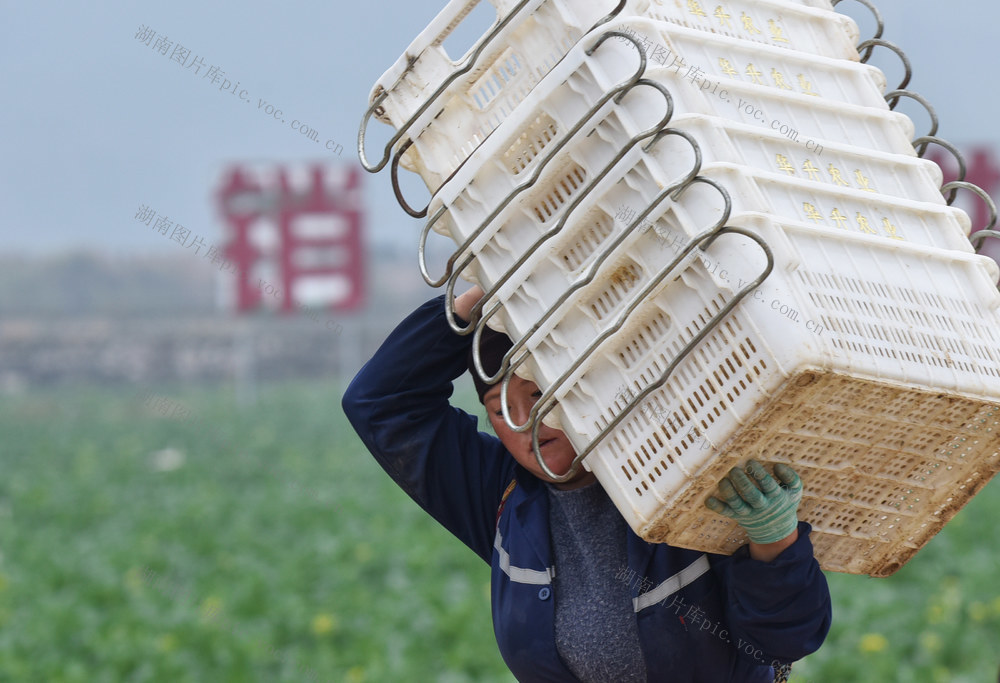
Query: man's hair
point(493, 345)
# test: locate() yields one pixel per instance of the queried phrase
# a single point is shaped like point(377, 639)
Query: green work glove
point(766, 513)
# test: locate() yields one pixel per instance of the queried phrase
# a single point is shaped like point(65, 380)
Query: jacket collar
point(530, 515)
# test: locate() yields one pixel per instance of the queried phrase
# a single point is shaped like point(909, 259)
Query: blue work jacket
point(701, 617)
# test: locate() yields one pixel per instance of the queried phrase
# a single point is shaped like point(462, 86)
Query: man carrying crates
point(561, 552)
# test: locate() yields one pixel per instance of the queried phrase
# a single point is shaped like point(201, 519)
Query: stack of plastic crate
point(711, 239)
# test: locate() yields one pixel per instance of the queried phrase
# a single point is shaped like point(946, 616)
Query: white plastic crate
point(540, 211)
point(812, 120)
point(533, 289)
point(475, 104)
point(552, 108)
point(884, 402)
point(538, 35)
point(787, 25)
point(510, 155)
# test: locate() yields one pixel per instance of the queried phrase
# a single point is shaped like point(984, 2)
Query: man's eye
point(537, 394)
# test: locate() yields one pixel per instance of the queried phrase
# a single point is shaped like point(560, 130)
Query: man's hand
point(465, 302)
point(765, 509)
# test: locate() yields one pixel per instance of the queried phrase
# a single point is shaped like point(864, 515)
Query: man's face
point(556, 449)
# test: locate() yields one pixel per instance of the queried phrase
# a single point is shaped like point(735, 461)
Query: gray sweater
point(596, 632)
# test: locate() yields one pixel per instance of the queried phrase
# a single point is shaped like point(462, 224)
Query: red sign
point(295, 234)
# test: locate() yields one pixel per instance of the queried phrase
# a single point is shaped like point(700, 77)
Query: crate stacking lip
point(507, 163)
point(817, 122)
point(836, 101)
point(837, 209)
point(718, 58)
point(776, 23)
point(445, 129)
point(836, 165)
point(890, 412)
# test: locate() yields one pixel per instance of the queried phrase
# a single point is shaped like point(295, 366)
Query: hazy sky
point(96, 123)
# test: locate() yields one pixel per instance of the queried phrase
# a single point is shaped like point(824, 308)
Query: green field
point(264, 544)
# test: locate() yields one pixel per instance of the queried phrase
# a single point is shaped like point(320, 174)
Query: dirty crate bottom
point(884, 467)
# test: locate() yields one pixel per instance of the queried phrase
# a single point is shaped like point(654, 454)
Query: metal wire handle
point(690, 346)
point(618, 92)
point(907, 67)
point(896, 94)
point(949, 190)
point(879, 29)
point(396, 190)
point(981, 236)
point(611, 15)
point(592, 270)
point(466, 66)
point(550, 391)
point(920, 144)
point(394, 170)
point(476, 311)
point(990, 204)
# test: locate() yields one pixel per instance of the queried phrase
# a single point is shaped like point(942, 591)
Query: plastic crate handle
point(466, 66)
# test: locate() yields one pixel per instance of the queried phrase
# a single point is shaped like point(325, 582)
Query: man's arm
point(777, 598)
point(782, 607)
point(765, 552)
point(398, 405)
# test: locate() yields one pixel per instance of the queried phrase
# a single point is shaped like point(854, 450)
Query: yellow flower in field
point(356, 675)
point(873, 642)
point(942, 675)
point(978, 612)
point(210, 607)
point(935, 614)
point(323, 624)
point(166, 643)
point(362, 553)
point(930, 642)
point(133, 578)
